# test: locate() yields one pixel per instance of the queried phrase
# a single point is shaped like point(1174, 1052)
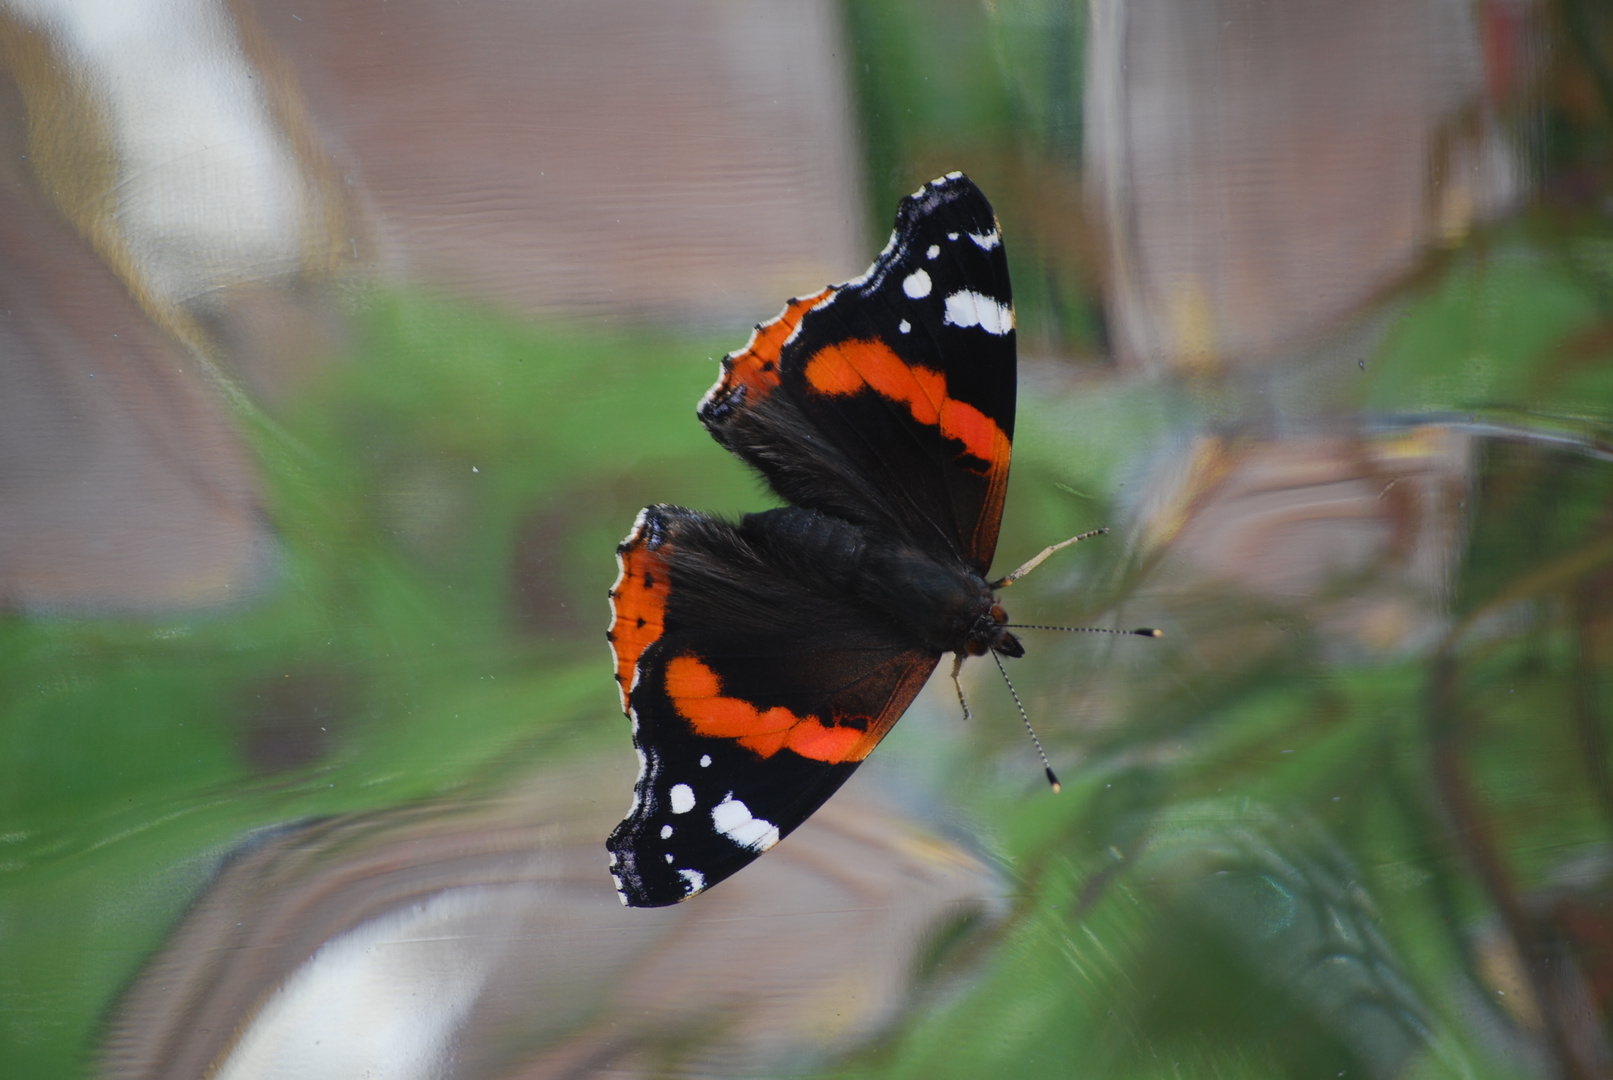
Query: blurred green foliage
point(993, 90)
point(1300, 862)
point(136, 752)
point(1308, 861)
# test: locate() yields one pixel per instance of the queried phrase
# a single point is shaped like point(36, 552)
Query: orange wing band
point(848, 367)
point(696, 692)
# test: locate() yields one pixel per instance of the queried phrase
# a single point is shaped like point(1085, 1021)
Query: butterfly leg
point(1003, 583)
point(957, 665)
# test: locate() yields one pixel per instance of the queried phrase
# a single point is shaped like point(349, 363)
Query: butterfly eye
point(998, 613)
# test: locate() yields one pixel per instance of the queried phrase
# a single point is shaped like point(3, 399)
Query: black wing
point(754, 694)
point(889, 401)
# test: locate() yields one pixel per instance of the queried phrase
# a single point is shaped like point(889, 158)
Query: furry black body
point(944, 605)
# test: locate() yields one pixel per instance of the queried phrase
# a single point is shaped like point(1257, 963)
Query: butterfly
point(761, 661)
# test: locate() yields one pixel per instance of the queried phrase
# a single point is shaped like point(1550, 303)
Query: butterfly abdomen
point(938, 605)
point(825, 551)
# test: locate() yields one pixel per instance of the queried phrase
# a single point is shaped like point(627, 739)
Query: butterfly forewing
point(889, 400)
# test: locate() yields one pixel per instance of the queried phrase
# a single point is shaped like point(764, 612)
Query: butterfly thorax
point(940, 602)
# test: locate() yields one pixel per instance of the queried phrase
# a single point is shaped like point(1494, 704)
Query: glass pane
point(343, 343)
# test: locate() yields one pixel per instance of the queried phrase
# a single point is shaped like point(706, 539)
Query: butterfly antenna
point(1146, 631)
point(1046, 764)
point(957, 665)
point(1003, 583)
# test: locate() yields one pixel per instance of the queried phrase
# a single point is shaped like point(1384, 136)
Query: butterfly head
point(990, 633)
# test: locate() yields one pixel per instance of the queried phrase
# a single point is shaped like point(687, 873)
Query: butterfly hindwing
point(889, 401)
point(754, 693)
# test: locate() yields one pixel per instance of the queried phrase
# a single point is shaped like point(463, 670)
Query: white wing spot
point(733, 819)
point(669, 856)
point(693, 880)
point(954, 175)
point(666, 832)
point(904, 326)
point(969, 308)
point(705, 761)
point(682, 798)
point(988, 241)
point(935, 249)
point(917, 285)
point(952, 236)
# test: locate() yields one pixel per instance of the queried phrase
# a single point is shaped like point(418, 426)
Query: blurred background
point(341, 341)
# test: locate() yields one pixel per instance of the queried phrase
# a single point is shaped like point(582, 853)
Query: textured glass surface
point(340, 343)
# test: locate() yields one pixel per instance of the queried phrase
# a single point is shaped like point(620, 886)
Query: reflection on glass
point(339, 346)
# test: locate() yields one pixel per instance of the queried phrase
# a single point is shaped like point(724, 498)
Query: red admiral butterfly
point(762, 662)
